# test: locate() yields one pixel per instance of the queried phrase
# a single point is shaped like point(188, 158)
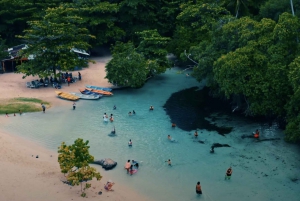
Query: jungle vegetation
point(247, 50)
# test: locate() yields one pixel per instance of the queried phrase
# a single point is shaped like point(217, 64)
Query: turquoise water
point(191, 160)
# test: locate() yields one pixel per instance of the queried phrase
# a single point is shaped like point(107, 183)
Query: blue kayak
point(87, 92)
point(99, 88)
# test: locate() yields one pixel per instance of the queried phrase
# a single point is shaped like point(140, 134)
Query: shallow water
point(261, 170)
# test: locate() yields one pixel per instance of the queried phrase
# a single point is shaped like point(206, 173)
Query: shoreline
point(40, 178)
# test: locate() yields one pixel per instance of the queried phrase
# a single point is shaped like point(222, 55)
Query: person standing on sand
point(43, 107)
point(79, 76)
point(6, 115)
point(69, 80)
point(198, 188)
point(228, 173)
point(74, 106)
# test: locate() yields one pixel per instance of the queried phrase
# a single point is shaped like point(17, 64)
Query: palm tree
point(237, 4)
point(292, 7)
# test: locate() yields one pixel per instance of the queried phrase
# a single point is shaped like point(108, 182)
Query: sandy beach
point(12, 84)
point(25, 177)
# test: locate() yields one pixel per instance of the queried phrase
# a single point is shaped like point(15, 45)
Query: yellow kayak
point(67, 96)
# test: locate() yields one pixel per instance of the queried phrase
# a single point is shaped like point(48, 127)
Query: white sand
point(27, 178)
point(12, 85)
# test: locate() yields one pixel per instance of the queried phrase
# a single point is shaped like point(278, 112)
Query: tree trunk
point(292, 7)
point(237, 9)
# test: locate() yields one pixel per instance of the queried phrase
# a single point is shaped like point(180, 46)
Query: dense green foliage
point(50, 41)
point(74, 161)
point(247, 50)
point(131, 66)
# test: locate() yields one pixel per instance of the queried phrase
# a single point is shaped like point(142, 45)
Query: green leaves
point(51, 40)
point(127, 67)
point(74, 160)
point(131, 66)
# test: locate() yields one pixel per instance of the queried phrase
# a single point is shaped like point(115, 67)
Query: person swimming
point(129, 113)
point(130, 143)
point(169, 162)
point(151, 108)
point(113, 131)
point(133, 111)
point(212, 149)
point(173, 125)
point(135, 164)
point(115, 107)
point(169, 137)
point(111, 118)
point(105, 117)
point(196, 134)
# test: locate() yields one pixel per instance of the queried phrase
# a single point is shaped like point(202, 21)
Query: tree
point(99, 17)
point(153, 47)
point(131, 66)
point(50, 41)
point(194, 25)
point(127, 67)
point(15, 13)
point(74, 161)
point(273, 8)
point(3, 47)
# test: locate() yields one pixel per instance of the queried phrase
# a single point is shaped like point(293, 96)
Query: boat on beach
point(66, 96)
point(99, 88)
point(87, 97)
point(88, 92)
point(104, 93)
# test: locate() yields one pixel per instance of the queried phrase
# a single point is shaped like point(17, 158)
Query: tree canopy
point(74, 161)
point(50, 41)
point(243, 48)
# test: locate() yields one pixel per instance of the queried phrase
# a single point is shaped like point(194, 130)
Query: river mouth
point(194, 109)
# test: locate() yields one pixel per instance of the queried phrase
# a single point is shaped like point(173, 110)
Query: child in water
point(169, 162)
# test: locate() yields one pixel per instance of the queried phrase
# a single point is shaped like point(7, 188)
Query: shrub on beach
point(74, 162)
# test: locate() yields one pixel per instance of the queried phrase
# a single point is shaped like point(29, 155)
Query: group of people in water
point(131, 166)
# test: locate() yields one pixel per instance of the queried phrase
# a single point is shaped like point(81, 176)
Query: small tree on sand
point(74, 161)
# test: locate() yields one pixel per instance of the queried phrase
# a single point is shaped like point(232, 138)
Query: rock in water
point(106, 163)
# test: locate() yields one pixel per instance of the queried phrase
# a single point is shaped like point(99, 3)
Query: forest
point(246, 50)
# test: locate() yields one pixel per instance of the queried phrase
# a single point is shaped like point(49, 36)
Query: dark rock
point(219, 145)
point(106, 163)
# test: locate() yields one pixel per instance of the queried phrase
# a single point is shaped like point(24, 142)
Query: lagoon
point(261, 170)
